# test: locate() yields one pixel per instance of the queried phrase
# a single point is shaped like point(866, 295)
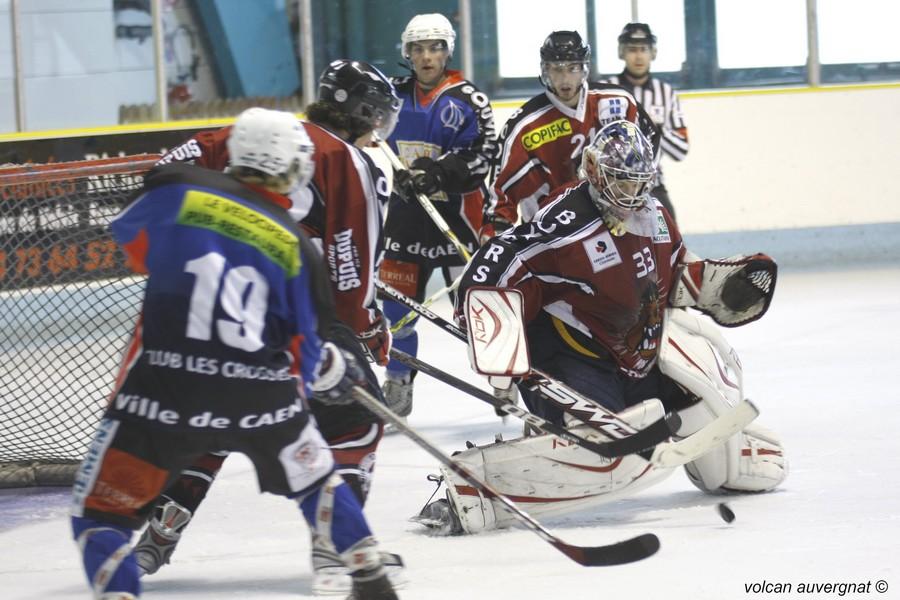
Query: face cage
point(617, 196)
point(545, 75)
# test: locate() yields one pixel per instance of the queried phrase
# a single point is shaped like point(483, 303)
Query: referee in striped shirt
point(637, 47)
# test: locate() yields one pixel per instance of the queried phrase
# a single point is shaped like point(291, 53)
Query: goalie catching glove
point(733, 291)
point(338, 373)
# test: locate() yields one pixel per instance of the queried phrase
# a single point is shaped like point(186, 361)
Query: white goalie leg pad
point(548, 476)
point(758, 465)
point(695, 354)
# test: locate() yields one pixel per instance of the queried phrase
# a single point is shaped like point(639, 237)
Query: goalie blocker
point(552, 477)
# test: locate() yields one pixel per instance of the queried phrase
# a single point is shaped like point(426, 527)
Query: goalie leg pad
point(548, 476)
point(754, 462)
point(695, 355)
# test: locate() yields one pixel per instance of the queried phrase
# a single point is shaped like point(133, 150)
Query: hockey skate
point(398, 396)
point(372, 586)
point(332, 577)
point(439, 516)
point(156, 545)
point(118, 596)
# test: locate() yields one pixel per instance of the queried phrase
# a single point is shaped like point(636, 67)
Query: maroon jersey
point(603, 293)
point(541, 144)
point(340, 210)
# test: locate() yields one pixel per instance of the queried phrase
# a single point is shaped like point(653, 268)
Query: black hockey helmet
point(565, 46)
point(636, 33)
point(361, 91)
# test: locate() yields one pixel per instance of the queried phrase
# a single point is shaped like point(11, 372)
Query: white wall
point(72, 71)
point(791, 159)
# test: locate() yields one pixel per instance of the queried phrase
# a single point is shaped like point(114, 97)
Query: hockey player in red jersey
point(540, 145)
point(341, 211)
point(600, 268)
point(224, 355)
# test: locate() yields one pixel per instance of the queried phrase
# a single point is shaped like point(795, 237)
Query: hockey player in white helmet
point(345, 194)
point(445, 138)
point(604, 274)
point(205, 240)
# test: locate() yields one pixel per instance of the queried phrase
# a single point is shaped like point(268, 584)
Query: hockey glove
point(425, 176)
point(337, 375)
point(377, 340)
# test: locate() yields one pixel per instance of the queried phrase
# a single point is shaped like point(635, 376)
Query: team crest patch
point(602, 252)
point(662, 230)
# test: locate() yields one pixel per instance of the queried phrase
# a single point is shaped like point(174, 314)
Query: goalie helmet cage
point(68, 305)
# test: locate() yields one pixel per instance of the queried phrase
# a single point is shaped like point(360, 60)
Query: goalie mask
point(274, 144)
point(619, 164)
point(362, 92)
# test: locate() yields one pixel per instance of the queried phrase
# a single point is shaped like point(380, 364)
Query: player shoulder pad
point(605, 85)
point(534, 104)
point(186, 174)
point(568, 209)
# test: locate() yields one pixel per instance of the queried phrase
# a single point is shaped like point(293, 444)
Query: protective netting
point(67, 308)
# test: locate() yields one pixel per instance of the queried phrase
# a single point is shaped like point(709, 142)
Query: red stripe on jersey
point(136, 252)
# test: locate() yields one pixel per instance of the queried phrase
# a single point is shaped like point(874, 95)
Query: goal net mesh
point(68, 305)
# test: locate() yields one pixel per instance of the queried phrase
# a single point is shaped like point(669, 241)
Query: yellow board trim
point(236, 221)
point(567, 338)
point(502, 104)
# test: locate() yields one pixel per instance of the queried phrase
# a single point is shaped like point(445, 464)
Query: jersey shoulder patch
point(662, 228)
point(601, 251)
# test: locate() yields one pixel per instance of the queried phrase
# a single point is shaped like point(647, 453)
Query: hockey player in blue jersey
point(445, 137)
point(224, 355)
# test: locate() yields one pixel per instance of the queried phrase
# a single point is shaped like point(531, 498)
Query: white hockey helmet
point(431, 26)
point(274, 143)
point(619, 164)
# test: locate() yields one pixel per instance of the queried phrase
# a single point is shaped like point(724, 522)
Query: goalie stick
point(650, 442)
point(585, 410)
point(644, 439)
point(619, 553)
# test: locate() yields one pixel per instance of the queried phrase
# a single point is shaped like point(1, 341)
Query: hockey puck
point(725, 512)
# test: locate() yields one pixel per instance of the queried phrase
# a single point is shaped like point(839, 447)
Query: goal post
point(68, 305)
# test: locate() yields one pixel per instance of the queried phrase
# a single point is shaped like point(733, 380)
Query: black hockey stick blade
point(620, 553)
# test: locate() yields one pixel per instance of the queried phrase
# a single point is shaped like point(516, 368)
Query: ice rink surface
point(819, 366)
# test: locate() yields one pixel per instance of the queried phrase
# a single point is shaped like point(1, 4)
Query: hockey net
point(67, 308)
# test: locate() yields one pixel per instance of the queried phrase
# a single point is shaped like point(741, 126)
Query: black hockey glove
point(337, 375)
point(425, 176)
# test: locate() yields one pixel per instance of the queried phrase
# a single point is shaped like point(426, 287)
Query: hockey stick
point(644, 439)
point(665, 454)
point(395, 327)
point(439, 222)
point(619, 553)
point(570, 401)
point(674, 454)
